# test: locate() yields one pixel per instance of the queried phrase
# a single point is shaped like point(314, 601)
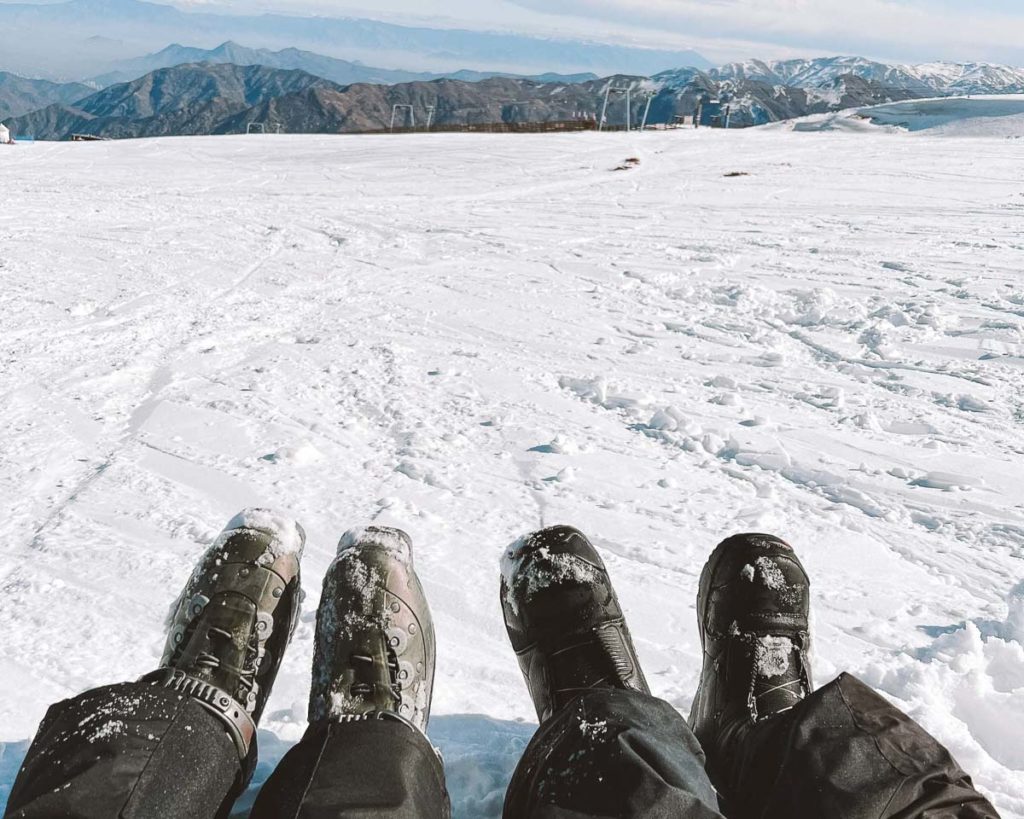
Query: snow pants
point(842, 753)
point(138, 751)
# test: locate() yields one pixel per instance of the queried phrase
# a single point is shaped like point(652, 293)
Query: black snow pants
point(139, 751)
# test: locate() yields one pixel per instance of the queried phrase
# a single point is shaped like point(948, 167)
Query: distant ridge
point(19, 95)
point(343, 72)
point(187, 99)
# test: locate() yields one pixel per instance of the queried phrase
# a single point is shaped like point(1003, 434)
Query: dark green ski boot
point(752, 608)
point(234, 618)
point(374, 652)
point(564, 620)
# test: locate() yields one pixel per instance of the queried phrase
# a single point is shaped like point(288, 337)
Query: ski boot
point(234, 618)
point(752, 607)
point(564, 620)
point(374, 650)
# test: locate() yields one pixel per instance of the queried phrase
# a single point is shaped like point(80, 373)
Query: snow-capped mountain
point(926, 79)
point(767, 91)
point(760, 98)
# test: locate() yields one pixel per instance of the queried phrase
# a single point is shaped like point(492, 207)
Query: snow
point(819, 75)
point(771, 575)
point(521, 581)
point(390, 540)
point(830, 348)
point(287, 537)
point(996, 115)
point(771, 655)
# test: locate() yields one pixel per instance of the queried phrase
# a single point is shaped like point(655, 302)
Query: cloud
point(917, 30)
point(722, 30)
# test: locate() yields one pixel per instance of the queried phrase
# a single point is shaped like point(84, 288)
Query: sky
point(722, 30)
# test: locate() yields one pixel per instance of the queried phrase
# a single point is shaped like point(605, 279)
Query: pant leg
point(361, 769)
point(613, 753)
point(846, 753)
point(132, 750)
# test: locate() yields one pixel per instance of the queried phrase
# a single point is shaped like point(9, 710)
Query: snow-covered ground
point(471, 336)
point(996, 115)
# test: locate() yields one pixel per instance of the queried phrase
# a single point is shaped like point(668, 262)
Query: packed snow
point(473, 336)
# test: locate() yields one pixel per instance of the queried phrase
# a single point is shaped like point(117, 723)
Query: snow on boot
point(233, 620)
point(564, 620)
point(752, 607)
point(374, 652)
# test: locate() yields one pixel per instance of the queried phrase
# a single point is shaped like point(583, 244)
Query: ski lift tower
point(402, 107)
point(647, 110)
point(615, 89)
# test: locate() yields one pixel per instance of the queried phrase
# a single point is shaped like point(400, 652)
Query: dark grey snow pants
point(138, 751)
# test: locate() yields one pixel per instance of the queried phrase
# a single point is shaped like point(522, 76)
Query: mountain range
point(188, 99)
point(19, 95)
point(222, 98)
point(343, 72)
point(216, 98)
point(929, 79)
point(82, 38)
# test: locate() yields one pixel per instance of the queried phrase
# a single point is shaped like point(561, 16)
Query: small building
point(712, 113)
point(5, 135)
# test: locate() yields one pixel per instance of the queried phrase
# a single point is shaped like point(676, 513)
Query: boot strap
point(227, 709)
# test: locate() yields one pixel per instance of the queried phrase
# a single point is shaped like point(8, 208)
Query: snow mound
point(847, 122)
point(302, 454)
point(967, 689)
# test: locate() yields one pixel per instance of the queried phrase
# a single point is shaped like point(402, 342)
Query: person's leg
point(605, 747)
point(180, 742)
point(123, 749)
point(777, 750)
point(365, 753)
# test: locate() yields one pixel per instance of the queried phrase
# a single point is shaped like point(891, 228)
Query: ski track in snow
point(469, 336)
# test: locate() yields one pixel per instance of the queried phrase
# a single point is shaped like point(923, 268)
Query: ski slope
point(471, 336)
point(994, 115)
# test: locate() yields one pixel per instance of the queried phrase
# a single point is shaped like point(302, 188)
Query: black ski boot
point(564, 620)
point(374, 653)
point(752, 608)
point(234, 618)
